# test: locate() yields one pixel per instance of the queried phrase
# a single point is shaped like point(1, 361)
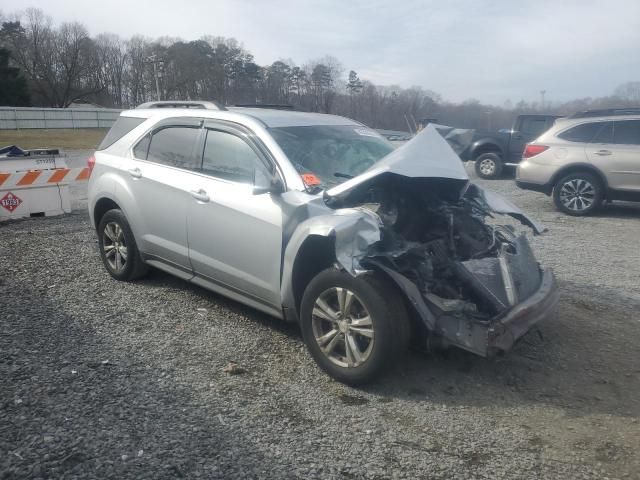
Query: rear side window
point(174, 146)
point(583, 133)
point(229, 157)
point(534, 126)
point(626, 132)
point(120, 128)
point(605, 134)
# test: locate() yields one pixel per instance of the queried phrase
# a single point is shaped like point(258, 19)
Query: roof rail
point(272, 106)
point(607, 112)
point(205, 105)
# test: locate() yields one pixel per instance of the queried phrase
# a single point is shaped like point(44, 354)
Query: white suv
point(317, 219)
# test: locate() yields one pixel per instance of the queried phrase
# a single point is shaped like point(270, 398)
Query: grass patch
point(67, 139)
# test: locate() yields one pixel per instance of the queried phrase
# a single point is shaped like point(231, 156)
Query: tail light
point(533, 150)
point(91, 162)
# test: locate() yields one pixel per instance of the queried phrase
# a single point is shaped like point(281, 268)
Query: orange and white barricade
point(36, 184)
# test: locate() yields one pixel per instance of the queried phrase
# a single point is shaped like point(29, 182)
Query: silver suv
point(317, 219)
point(585, 159)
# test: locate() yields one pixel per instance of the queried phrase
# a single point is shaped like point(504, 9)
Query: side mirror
point(273, 186)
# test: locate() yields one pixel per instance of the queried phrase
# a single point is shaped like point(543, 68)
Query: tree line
point(43, 64)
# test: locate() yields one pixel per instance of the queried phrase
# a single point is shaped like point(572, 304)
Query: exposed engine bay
point(445, 249)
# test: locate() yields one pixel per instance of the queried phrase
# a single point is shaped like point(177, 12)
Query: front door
point(625, 170)
point(235, 236)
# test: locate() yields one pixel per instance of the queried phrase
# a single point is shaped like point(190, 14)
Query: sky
point(492, 51)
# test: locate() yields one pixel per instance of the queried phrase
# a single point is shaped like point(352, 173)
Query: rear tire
point(118, 248)
point(355, 344)
point(578, 194)
point(489, 166)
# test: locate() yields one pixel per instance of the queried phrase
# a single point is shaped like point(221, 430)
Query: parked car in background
point(492, 151)
point(585, 159)
point(317, 219)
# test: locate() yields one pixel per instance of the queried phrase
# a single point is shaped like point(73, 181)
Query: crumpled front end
point(414, 215)
point(474, 282)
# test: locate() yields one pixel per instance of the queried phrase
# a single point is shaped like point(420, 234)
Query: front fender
point(353, 231)
point(482, 144)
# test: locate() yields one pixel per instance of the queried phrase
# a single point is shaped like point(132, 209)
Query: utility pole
point(154, 60)
point(542, 92)
point(489, 120)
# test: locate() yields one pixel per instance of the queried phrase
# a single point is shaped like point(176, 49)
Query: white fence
point(23, 118)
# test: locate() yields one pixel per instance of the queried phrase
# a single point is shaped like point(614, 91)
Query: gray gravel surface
point(103, 379)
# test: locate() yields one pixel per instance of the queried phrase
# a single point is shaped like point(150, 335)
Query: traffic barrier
point(43, 177)
point(36, 183)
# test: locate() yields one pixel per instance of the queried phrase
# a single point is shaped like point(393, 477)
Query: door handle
point(200, 195)
point(603, 153)
point(135, 172)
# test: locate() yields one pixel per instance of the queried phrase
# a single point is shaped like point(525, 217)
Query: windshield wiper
point(342, 175)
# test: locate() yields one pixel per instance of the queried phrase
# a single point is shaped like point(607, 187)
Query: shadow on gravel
point(161, 279)
point(618, 210)
point(583, 360)
point(73, 405)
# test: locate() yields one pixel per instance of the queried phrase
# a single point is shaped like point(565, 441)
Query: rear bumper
point(504, 333)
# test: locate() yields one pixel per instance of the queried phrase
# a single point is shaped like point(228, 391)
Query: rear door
point(160, 177)
point(235, 236)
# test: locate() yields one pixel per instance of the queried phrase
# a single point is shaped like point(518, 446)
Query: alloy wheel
point(342, 327)
point(577, 194)
point(114, 246)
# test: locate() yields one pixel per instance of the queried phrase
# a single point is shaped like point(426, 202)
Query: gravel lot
point(102, 379)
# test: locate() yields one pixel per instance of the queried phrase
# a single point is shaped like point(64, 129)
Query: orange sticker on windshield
point(310, 179)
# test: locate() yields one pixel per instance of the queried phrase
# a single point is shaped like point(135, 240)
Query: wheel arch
point(580, 167)
point(482, 147)
point(102, 206)
point(316, 253)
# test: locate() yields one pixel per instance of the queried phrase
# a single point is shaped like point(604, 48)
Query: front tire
point(489, 166)
point(118, 248)
point(578, 193)
point(354, 327)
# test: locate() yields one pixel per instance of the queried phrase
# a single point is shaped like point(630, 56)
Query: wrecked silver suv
point(318, 220)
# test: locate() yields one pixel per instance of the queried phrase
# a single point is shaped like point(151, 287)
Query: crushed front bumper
point(503, 333)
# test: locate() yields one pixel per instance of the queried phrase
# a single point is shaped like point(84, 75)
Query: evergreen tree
point(13, 86)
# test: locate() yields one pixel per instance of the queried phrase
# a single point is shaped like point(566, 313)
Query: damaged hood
point(427, 155)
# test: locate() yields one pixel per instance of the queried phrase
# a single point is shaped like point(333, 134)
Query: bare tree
point(112, 58)
point(629, 92)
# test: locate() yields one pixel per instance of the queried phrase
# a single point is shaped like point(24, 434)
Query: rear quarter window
point(582, 133)
point(120, 128)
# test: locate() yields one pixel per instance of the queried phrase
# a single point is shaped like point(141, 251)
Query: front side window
point(583, 133)
point(174, 146)
point(626, 132)
point(229, 157)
